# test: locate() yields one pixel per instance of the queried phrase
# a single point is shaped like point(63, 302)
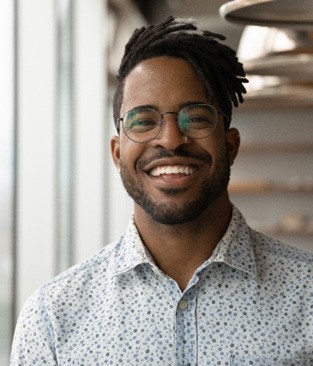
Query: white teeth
point(172, 169)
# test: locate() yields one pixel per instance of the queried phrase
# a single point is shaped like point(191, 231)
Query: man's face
point(172, 180)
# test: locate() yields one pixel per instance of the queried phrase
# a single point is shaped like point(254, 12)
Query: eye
point(194, 121)
point(140, 124)
point(140, 120)
point(196, 117)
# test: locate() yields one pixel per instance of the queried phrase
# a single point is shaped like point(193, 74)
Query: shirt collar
point(130, 251)
point(235, 249)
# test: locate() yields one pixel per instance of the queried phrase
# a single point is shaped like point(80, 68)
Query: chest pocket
point(250, 361)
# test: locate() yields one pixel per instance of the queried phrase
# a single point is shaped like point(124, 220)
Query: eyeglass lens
point(144, 124)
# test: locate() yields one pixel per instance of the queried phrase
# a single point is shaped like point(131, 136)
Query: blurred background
point(61, 199)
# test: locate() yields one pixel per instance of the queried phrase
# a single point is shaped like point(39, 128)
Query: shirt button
point(183, 305)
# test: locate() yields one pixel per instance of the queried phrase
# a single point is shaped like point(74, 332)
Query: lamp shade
point(269, 12)
point(279, 65)
point(277, 52)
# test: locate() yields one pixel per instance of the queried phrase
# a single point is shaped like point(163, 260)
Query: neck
point(179, 250)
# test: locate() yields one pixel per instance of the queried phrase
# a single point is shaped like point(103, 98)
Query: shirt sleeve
point(33, 342)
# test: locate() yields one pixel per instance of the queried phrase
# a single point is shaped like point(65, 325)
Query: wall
point(273, 173)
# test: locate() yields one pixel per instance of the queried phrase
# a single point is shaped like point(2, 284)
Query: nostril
point(170, 141)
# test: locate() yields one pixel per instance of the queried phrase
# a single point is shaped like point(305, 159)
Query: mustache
point(180, 152)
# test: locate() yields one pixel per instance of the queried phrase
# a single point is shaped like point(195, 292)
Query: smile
point(172, 169)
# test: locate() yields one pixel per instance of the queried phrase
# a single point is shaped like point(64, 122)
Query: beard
point(179, 213)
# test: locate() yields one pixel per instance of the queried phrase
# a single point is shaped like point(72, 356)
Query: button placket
point(186, 344)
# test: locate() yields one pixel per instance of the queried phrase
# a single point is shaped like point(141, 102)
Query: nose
point(170, 136)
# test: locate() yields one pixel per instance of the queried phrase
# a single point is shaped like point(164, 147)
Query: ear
point(232, 143)
point(115, 151)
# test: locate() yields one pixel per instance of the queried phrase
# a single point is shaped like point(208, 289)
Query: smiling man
point(190, 283)
point(174, 156)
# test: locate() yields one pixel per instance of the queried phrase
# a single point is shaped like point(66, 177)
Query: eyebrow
point(187, 104)
point(180, 106)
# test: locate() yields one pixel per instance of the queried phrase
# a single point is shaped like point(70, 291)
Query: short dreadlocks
point(216, 64)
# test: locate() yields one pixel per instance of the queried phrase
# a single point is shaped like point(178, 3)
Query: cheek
point(215, 147)
point(130, 152)
point(219, 145)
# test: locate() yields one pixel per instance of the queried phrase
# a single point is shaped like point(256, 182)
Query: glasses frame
point(120, 121)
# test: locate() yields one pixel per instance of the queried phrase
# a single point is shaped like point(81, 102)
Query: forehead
point(163, 81)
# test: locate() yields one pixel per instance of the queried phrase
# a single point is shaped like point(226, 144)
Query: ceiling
point(205, 12)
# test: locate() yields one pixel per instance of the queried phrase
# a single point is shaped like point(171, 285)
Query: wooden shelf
point(268, 187)
point(276, 148)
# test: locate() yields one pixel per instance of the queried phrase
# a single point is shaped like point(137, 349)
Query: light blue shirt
point(251, 303)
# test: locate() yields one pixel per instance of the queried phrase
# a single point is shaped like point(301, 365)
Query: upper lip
point(171, 162)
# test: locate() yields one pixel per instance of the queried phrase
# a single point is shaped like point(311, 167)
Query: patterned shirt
point(250, 303)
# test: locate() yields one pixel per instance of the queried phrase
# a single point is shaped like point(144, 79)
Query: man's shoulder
point(279, 247)
point(73, 286)
point(84, 274)
point(279, 254)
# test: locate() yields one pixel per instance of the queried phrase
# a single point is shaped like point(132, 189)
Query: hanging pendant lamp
point(269, 12)
point(279, 64)
point(275, 93)
point(283, 52)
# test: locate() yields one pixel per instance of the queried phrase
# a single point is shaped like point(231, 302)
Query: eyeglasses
point(143, 124)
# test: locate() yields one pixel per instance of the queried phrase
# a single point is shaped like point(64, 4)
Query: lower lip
point(173, 180)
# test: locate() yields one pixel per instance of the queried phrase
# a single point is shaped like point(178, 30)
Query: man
point(190, 283)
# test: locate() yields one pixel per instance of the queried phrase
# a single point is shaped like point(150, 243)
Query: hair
point(215, 63)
